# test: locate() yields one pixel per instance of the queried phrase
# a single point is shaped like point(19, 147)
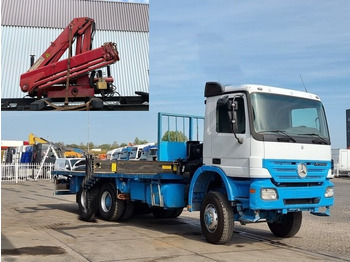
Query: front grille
point(284, 171)
point(295, 184)
point(301, 201)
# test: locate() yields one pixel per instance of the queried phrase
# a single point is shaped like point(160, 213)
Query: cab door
point(230, 141)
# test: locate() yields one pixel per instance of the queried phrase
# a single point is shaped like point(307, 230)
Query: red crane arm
point(56, 73)
point(49, 76)
point(81, 28)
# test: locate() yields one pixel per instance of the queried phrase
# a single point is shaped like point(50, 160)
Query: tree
point(60, 144)
point(105, 147)
point(82, 145)
point(74, 146)
point(174, 136)
point(114, 145)
point(90, 145)
point(138, 141)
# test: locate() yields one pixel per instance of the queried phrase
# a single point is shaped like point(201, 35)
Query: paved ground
point(38, 226)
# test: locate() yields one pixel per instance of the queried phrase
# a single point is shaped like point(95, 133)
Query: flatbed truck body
point(162, 190)
point(265, 157)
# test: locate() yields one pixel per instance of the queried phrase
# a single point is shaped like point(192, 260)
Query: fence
point(25, 171)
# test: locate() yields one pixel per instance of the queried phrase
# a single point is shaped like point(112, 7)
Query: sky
point(268, 42)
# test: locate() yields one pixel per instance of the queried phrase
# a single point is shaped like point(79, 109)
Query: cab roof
point(215, 89)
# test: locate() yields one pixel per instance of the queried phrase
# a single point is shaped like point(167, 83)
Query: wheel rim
point(83, 199)
point(106, 201)
point(210, 218)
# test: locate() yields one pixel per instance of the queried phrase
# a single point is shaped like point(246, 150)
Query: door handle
point(216, 161)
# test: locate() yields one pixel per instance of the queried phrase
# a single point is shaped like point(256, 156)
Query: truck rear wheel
point(216, 218)
point(141, 208)
point(159, 212)
point(177, 212)
point(87, 202)
point(129, 210)
point(287, 226)
point(110, 208)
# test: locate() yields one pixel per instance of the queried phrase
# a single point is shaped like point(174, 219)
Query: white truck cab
point(267, 154)
point(246, 126)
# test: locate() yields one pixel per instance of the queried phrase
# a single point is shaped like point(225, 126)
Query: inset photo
point(74, 55)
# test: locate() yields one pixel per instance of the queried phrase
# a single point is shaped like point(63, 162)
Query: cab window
point(224, 116)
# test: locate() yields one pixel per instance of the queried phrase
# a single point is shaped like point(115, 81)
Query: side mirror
point(234, 121)
point(234, 116)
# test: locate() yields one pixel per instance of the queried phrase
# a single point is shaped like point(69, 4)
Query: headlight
point(329, 192)
point(268, 194)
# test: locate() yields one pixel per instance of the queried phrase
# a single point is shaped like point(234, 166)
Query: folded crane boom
point(73, 77)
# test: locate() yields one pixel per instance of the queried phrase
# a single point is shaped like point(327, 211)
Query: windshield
point(73, 161)
point(289, 119)
point(133, 153)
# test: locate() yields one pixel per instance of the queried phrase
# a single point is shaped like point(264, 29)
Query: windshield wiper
point(320, 140)
point(281, 132)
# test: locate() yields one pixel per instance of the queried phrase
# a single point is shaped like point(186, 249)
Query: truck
point(69, 164)
point(341, 158)
point(111, 152)
point(66, 164)
point(265, 157)
point(116, 154)
point(125, 153)
point(149, 153)
point(137, 150)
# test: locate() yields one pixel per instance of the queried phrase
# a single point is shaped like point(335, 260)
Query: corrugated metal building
point(28, 27)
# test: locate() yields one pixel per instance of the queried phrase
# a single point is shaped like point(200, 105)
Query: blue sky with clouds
point(268, 42)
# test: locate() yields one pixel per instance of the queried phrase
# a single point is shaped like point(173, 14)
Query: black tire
point(141, 208)
point(159, 212)
point(129, 210)
point(177, 212)
point(109, 207)
point(287, 226)
point(216, 218)
point(87, 202)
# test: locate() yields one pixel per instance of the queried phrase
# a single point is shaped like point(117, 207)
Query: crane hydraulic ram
point(74, 77)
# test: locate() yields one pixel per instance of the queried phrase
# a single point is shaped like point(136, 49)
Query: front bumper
point(292, 197)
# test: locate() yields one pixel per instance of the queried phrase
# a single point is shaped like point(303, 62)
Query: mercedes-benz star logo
point(302, 170)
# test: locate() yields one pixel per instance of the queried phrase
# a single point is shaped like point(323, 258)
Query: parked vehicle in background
point(67, 164)
point(70, 164)
point(149, 153)
point(116, 153)
point(136, 151)
point(125, 153)
point(111, 152)
point(341, 159)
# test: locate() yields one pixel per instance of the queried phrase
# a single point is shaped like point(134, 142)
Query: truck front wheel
point(287, 226)
point(216, 218)
point(110, 208)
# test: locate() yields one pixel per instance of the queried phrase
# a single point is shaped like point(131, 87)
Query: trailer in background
point(341, 158)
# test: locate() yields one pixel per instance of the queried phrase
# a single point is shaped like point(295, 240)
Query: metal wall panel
point(115, 16)
point(18, 43)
